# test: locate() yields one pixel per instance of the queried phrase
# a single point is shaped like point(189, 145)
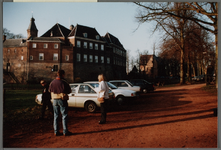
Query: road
point(172, 117)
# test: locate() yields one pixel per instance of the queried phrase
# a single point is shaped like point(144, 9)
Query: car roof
point(117, 80)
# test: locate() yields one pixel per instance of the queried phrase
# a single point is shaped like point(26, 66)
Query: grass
point(20, 107)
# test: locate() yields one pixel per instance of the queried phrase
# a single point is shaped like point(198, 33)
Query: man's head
point(61, 73)
point(43, 82)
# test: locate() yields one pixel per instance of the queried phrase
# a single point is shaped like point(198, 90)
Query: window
point(45, 45)
point(85, 44)
point(31, 57)
point(67, 57)
point(55, 68)
point(41, 56)
point(102, 47)
point(78, 57)
point(78, 43)
point(55, 56)
point(22, 57)
point(97, 37)
point(8, 50)
point(15, 50)
point(85, 35)
point(96, 46)
point(91, 58)
point(34, 45)
point(91, 45)
point(85, 89)
point(96, 59)
point(85, 57)
point(102, 59)
point(56, 46)
point(108, 60)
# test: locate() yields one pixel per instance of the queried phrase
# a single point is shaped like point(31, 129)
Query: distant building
point(149, 66)
point(81, 51)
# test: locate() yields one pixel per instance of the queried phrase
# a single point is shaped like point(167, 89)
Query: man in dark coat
point(46, 99)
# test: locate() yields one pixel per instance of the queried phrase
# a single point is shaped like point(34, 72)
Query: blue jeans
point(60, 106)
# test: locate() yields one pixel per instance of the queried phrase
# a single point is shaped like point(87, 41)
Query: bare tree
point(205, 14)
point(9, 35)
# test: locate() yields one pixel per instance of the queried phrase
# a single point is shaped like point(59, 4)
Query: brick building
point(81, 51)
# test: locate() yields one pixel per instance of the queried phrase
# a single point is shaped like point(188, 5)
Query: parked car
point(144, 85)
point(82, 96)
point(121, 95)
point(125, 84)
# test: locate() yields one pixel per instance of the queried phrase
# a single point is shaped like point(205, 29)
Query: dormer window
point(97, 37)
point(85, 35)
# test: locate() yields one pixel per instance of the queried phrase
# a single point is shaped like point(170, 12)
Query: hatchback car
point(121, 95)
point(125, 84)
point(82, 96)
point(144, 85)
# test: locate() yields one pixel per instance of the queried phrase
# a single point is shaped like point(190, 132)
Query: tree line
point(189, 27)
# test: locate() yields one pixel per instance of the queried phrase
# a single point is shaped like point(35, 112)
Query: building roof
point(45, 39)
point(79, 31)
point(32, 25)
point(113, 40)
point(57, 31)
point(14, 43)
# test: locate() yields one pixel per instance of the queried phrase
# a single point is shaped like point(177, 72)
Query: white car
point(82, 96)
point(120, 94)
point(125, 84)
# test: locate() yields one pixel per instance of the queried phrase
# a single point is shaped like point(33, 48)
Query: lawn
point(20, 106)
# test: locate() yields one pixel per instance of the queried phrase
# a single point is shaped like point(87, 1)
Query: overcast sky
point(117, 18)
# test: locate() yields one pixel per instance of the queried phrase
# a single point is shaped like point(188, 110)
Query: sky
point(117, 18)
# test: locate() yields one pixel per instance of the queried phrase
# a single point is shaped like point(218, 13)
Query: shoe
point(57, 134)
point(102, 122)
point(68, 133)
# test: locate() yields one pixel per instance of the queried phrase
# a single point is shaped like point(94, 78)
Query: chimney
point(71, 27)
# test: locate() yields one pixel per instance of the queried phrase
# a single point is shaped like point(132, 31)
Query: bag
point(65, 97)
point(101, 100)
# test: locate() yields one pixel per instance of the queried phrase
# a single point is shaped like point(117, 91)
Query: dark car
point(145, 85)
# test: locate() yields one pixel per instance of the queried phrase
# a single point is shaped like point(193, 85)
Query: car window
point(85, 89)
point(95, 85)
point(115, 83)
point(123, 84)
point(111, 85)
point(128, 82)
point(73, 88)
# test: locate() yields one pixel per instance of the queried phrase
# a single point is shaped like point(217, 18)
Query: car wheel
point(120, 100)
point(90, 106)
point(144, 90)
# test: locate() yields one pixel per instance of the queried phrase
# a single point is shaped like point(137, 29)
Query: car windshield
point(111, 85)
point(95, 85)
point(130, 83)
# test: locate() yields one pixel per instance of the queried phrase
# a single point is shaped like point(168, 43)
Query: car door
point(85, 92)
point(72, 99)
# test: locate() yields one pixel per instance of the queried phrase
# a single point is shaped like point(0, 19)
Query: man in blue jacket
point(60, 89)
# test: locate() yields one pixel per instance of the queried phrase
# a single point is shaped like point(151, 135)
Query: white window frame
point(102, 47)
point(96, 59)
point(79, 44)
point(55, 56)
point(108, 60)
point(22, 57)
point(85, 45)
point(45, 45)
point(55, 46)
point(91, 45)
point(97, 37)
point(31, 57)
point(96, 46)
point(78, 57)
point(102, 59)
point(41, 56)
point(34, 45)
point(85, 35)
point(91, 58)
point(67, 57)
point(85, 57)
